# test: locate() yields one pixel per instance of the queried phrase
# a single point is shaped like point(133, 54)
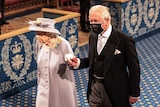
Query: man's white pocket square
point(117, 52)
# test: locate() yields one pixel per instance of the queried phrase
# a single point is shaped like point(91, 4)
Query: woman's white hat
point(44, 25)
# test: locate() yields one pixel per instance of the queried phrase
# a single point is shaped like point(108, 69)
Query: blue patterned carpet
point(149, 56)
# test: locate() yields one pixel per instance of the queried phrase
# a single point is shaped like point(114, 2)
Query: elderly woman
point(56, 85)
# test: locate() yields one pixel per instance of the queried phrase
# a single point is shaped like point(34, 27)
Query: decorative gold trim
point(14, 33)
point(117, 1)
point(67, 15)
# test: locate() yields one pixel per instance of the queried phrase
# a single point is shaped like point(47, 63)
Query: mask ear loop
point(106, 21)
point(95, 22)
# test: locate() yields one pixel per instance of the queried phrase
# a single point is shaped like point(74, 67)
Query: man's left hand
point(133, 100)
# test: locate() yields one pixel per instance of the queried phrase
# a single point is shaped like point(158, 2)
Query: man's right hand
point(71, 60)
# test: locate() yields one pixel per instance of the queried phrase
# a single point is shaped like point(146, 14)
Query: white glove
point(68, 57)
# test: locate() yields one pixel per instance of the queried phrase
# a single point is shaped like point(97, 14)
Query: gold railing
point(66, 15)
point(118, 1)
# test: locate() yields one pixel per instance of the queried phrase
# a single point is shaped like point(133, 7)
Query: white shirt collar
point(107, 33)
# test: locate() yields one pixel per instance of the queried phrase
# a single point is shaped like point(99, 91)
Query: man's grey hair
point(102, 9)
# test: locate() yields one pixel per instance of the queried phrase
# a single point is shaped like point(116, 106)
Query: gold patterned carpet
point(21, 22)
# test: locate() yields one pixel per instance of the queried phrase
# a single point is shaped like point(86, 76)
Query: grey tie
point(99, 44)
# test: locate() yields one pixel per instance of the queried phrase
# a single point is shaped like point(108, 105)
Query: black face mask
point(96, 27)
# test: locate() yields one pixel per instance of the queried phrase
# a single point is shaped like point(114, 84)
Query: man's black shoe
point(1, 23)
point(85, 30)
point(4, 22)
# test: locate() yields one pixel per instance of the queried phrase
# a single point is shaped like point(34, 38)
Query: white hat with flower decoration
point(44, 25)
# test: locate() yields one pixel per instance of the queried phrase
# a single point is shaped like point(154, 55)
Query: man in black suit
point(84, 10)
point(114, 72)
point(2, 21)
